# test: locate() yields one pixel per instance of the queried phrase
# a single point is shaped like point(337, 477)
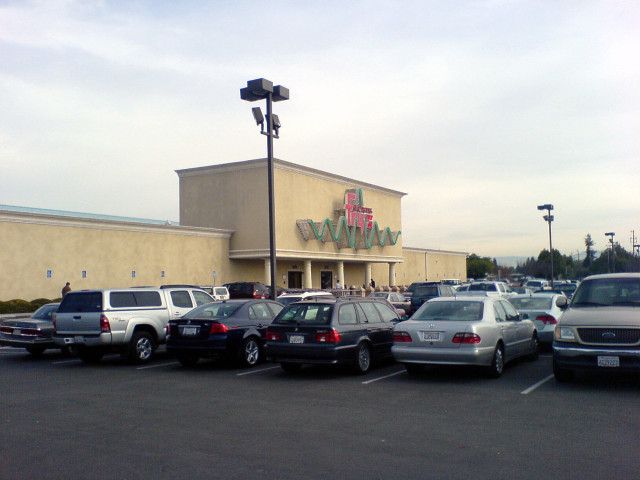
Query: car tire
point(535, 344)
point(141, 347)
point(497, 363)
point(562, 374)
point(36, 350)
point(413, 368)
point(250, 352)
point(290, 367)
point(362, 362)
point(90, 355)
point(188, 359)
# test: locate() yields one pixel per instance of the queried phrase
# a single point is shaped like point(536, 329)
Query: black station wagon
point(330, 331)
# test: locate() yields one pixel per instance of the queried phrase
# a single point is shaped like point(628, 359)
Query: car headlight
point(564, 334)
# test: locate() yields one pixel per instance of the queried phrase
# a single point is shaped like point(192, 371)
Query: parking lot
point(61, 418)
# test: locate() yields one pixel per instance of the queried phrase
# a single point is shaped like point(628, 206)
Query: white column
point(367, 274)
point(341, 274)
point(306, 278)
point(267, 271)
point(392, 274)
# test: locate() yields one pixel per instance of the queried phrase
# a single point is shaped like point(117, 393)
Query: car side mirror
point(561, 302)
point(524, 316)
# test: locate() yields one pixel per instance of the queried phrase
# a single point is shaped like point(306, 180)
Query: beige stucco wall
point(108, 251)
point(441, 265)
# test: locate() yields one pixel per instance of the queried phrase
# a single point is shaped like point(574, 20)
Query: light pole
point(260, 89)
point(612, 262)
point(549, 218)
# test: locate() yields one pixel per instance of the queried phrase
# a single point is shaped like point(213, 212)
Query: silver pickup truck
point(132, 321)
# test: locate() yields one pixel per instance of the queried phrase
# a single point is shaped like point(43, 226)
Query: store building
point(329, 229)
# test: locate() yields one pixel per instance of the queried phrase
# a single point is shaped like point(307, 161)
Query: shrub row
point(22, 306)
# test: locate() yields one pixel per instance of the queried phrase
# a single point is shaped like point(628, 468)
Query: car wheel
point(36, 350)
point(497, 363)
point(413, 368)
point(90, 355)
point(249, 354)
point(188, 359)
point(363, 358)
point(290, 367)
point(141, 347)
point(562, 374)
point(535, 349)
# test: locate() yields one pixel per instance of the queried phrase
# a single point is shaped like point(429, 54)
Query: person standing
point(373, 283)
point(338, 286)
point(66, 289)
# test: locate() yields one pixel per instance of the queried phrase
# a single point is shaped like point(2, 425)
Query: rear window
point(135, 299)
point(213, 310)
point(451, 311)
point(306, 313)
point(483, 287)
point(426, 292)
point(532, 303)
point(81, 302)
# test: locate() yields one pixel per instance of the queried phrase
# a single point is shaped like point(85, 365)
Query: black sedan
point(330, 331)
point(229, 329)
point(32, 333)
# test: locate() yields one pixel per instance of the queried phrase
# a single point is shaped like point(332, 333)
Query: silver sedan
point(484, 331)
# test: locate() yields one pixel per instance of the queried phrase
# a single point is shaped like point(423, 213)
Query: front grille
point(610, 336)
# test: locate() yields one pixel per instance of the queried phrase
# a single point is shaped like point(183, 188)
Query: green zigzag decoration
point(351, 235)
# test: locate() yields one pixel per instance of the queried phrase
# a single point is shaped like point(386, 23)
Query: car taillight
point(30, 331)
point(463, 337)
point(401, 337)
point(168, 329)
point(273, 336)
point(104, 323)
point(328, 336)
point(6, 329)
point(54, 318)
point(547, 319)
point(217, 328)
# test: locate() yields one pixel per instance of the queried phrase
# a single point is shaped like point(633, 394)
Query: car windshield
point(379, 295)
point(532, 303)
point(608, 291)
point(211, 310)
point(45, 312)
point(426, 292)
point(482, 287)
point(287, 300)
point(305, 313)
point(455, 311)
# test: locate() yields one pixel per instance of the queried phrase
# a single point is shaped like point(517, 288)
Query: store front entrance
point(326, 280)
point(295, 280)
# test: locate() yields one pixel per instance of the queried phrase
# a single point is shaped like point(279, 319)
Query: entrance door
point(295, 279)
point(326, 280)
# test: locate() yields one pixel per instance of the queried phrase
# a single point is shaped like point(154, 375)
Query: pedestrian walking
point(66, 289)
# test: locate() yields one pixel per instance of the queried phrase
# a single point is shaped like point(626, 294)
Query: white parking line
point(156, 366)
point(60, 362)
point(536, 385)
point(256, 371)
point(382, 378)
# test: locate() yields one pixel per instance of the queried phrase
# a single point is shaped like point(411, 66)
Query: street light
point(260, 89)
point(549, 218)
point(612, 262)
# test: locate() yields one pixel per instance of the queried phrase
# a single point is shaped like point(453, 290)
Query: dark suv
point(330, 331)
point(424, 291)
point(247, 290)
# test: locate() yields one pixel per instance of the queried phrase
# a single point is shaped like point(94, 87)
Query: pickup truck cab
point(132, 321)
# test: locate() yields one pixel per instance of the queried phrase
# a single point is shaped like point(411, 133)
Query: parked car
point(32, 333)
point(499, 289)
point(427, 291)
point(355, 331)
point(568, 288)
point(542, 310)
point(132, 321)
point(484, 331)
point(600, 329)
point(398, 300)
point(228, 329)
point(247, 290)
point(537, 284)
point(287, 298)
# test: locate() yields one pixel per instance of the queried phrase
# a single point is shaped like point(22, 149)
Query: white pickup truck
point(488, 289)
point(132, 321)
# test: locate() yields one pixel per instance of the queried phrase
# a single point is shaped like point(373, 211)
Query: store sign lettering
point(357, 215)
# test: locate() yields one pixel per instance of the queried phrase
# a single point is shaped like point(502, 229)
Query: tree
point(479, 267)
point(589, 243)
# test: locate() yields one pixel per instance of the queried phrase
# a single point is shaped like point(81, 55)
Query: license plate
point(430, 336)
point(79, 339)
point(608, 361)
point(296, 339)
point(17, 331)
point(189, 331)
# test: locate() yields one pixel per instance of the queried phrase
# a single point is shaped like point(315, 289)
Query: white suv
point(287, 298)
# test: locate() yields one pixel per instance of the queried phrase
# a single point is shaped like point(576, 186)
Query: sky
point(479, 110)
